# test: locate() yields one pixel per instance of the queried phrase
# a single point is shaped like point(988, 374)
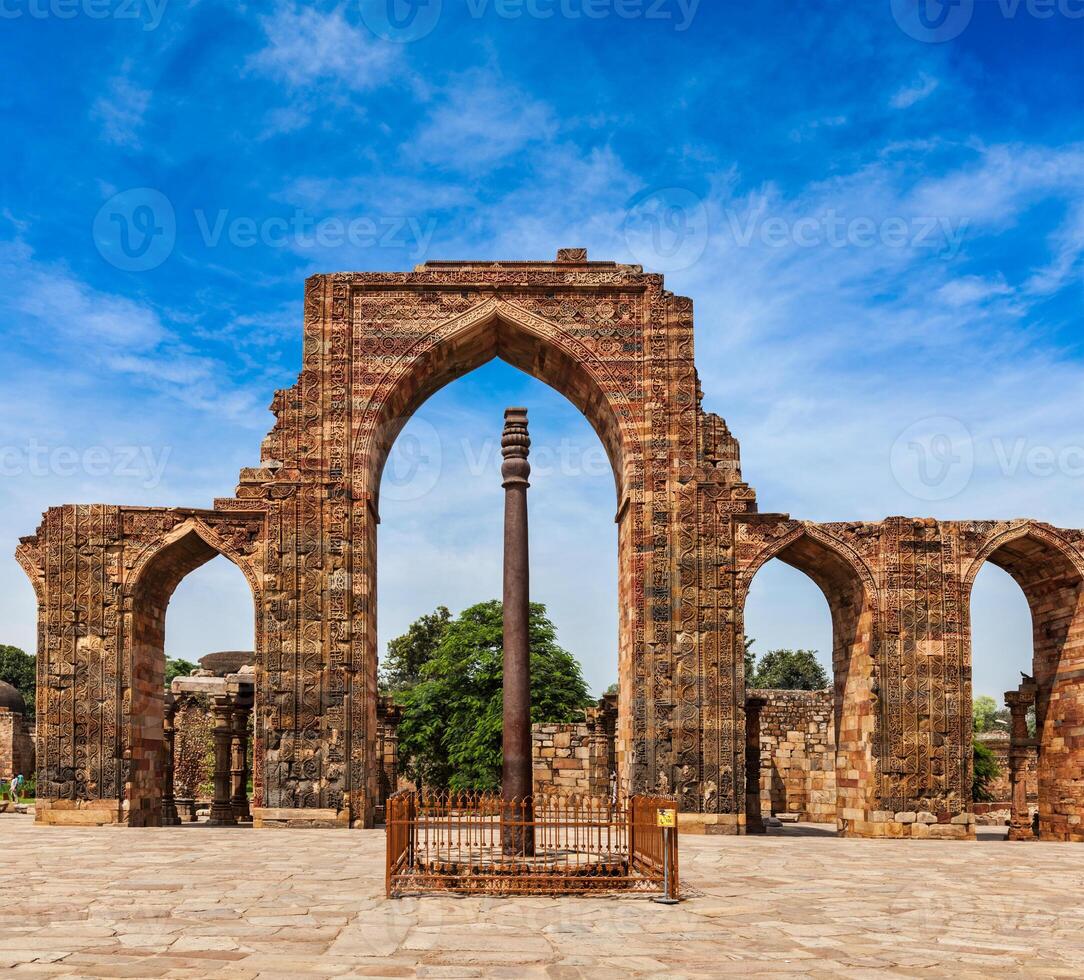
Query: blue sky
point(881, 221)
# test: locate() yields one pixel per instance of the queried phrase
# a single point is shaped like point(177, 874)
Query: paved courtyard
point(203, 902)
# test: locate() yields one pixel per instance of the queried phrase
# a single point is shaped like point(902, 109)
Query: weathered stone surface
point(201, 902)
point(302, 527)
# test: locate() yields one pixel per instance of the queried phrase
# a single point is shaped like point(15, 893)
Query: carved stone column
point(517, 778)
point(169, 735)
point(222, 813)
point(1021, 745)
point(239, 765)
point(754, 813)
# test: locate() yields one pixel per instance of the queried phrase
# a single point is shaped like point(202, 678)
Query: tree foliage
point(984, 771)
point(407, 654)
point(19, 669)
point(984, 713)
point(450, 732)
point(788, 670)
point(177, 668)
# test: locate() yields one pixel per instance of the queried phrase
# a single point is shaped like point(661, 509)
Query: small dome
point(11, 699)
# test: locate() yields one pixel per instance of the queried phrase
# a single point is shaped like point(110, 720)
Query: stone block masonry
point(797, 743)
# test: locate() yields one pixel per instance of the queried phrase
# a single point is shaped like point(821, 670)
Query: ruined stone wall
point(16, 746)
point(303, 526)
point(578, 758)
point(999, 788)
point(797, 746)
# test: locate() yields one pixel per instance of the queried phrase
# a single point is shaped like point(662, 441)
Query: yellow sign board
point(666, 818)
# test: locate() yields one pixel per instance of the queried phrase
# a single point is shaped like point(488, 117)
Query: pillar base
point(297, 818)
point(222, 816)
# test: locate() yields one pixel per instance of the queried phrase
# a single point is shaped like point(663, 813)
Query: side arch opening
point(147, 601)
point(1053, 585)
point(852, 701)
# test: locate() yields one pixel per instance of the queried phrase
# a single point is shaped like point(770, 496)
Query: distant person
point(15, 787)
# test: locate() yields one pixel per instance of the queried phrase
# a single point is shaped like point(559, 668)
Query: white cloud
point(306, 46)
point(121, 109)
point(923, 87)
point(479, 122)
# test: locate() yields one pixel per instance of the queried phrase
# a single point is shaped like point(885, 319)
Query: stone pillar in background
point(170, 817)
point(754, 811)
point(222, 813)
point(239, 765)
point(517, 779)
point(1021, 745)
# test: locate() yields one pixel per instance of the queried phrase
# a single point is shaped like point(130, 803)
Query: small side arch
point(1050, 572)
point(849, 588)
point(155, 574)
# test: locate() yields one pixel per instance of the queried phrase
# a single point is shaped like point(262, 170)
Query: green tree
point(789, 670)
point(984, 771)
point(450, 732)
point(177, 668)
point(984, 713)
point(19, 669)
point(750, 662)
point(407, 654)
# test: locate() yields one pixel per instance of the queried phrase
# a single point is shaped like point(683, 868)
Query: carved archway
point(155, 574)
point(849, 588)
point(1051, 575)
point(501, 329)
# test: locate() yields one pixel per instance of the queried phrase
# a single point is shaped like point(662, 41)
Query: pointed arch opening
point(1052, 582)
point(154, 581)
point(829, 764)
point(501, 332)
point(521, 339)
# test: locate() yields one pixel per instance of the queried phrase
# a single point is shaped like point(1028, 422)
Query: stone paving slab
point(195, 901)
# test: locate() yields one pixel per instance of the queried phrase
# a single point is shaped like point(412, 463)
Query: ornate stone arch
point(535, 345)
point(850, 590)
point(198, 527)
point(157, 569)
point(1039, 532)
point(805, 529)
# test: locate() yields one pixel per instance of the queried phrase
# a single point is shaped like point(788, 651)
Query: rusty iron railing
point(467, 842)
